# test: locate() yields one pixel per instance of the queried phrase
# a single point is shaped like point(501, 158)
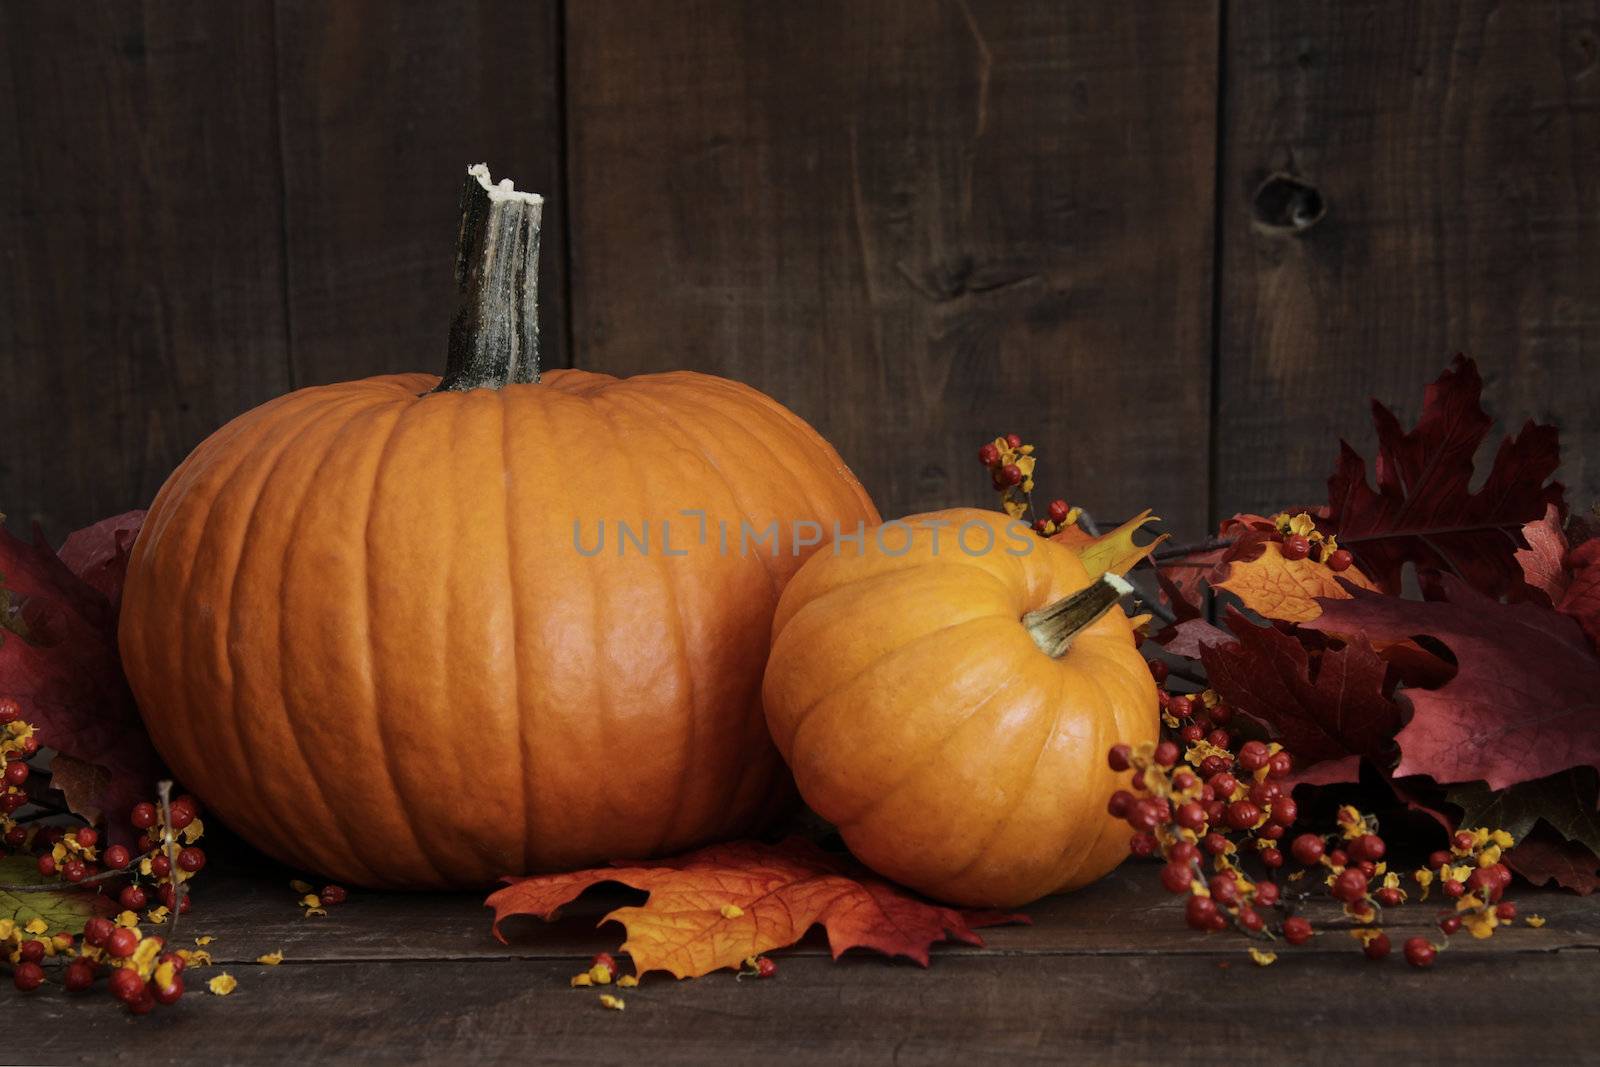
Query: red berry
point(1482, 880)
point(190, 859)
point(1192, 732)
point(1224, 784)
point(1271, 858)
point(1284, 811)
point(146, 1002)
point(122, 942)
point(1264, 793)
point(989, 455)
point(1224, 888)
point(1297, 930)
point(31, 951)
point(1502, 875)
point(1184, 852)
point(1120, 804)
point(1215, 843)
point(1506, 912)
point(1419, 953)
point(1137, 781)
point(1158, 671)
point(126, 985)
point(10, 710)
point(1450, 924)
point(1200, 912)
point(1267, 893)
point(1280, 765)
point(1215, 809)
point(97, 930)
point(160, 866)
point(1142, 844)
point(1166, 754)
point(1242, 815)
point(1463, 841)
point(1377, 948)
point(1175, 877)
point(1191, 816)
point(1058, 511)
point(1338, 858)
point(17, 773)
point(169, 897)
point(1221, 714)
point(184, 811)
point(1452, 889)
point(1011, 474)
point(1368, 847)
point(333, 894)
point(1340, 559)
point(1181, 706)
point(116, 857)
point(1118, 757)
point(765, 967)
point(1389, 898)
point(1184, 779)
point(1270, 832)
point(178, 964)
point(1296, 546)
point(1220, 738)
point(144, 815)
point(169, 994)
point(1014, 440)
point(1040, 526)
point(1350, 886)
point(10, 802)
point(1253, 755)
point(1366, 867)
point(79, 976)
point(74, 871)
point(1213, 765)
point(1438, 859)
point(28, 976)
point(47, 866)
point(88, 837)
point(1251, 919)
point(133, 898)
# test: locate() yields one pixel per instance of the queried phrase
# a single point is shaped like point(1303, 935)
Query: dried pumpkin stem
point(494, 337)
point(1054, 626)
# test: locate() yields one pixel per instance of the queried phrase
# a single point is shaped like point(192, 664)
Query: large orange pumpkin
point(946, 691)
point(367, 625)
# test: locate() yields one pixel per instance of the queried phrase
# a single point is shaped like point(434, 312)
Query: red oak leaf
point(58, 657)
point(1524, 702)
point(1325, 709)
point(1543, 562)
point(1422, 511)
point(1546, 857)
point(715, 907)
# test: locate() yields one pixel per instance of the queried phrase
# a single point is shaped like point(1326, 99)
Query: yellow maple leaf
point(1115, 551)
point(1286, 589)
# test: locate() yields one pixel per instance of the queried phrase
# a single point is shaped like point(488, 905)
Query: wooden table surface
point(1106, 975)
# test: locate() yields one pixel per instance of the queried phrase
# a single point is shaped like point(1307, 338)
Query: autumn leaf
point(1238, 538)
point(714, 908)
point(1545, 857)
point(1524, 702)
point(62, 909)
point(1328, 710)
point(58, 657)
point(1565, 801)
point(1569, 577)
point(1287, 589)
point(1116, 551)
point(1423, 511)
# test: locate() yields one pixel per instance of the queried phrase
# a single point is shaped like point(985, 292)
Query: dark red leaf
point(98, 554)
point(1524, 702)
point(1323, 709)
point(1545, 857)
point(1423, 511)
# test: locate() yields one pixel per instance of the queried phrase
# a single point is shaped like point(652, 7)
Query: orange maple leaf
point(1287, 589)
point(1115, 551)
point(718, 906)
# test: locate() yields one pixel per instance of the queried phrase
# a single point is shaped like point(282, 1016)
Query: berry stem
point(83, 883)
point(169, 840)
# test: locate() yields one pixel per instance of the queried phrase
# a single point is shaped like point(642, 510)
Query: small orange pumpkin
point(946, 692)
point(367, 625)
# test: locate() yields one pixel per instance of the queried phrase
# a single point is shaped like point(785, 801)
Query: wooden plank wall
point(1177, 243)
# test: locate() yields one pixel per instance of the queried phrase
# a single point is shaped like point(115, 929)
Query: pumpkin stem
point(494, 337)
point(1054, 626)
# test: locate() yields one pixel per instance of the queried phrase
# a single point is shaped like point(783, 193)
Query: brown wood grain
point(918, 225)
point(142, 286)
point(1456, 149)
point(383, 108)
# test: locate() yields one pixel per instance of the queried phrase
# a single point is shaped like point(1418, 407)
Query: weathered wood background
point(1176, 243)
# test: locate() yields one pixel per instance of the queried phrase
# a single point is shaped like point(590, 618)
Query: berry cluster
point(1011, 464)
point(149, 878)
point(1199, 800)
point(1299, 538)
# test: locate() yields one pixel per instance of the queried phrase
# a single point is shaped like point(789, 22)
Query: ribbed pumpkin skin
point(918, 715)
point(359, 630)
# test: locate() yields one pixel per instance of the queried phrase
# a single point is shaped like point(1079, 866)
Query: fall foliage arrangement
point(977, 728)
